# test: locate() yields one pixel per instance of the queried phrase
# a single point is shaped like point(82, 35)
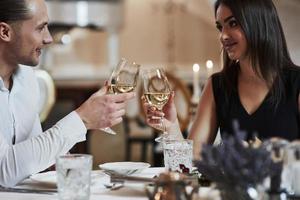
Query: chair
point(47, 93)
point(182, 100)
point(143, 137)
point(137, 132)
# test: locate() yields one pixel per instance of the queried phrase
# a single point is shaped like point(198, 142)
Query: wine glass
point(157, 92)
point(123, 79)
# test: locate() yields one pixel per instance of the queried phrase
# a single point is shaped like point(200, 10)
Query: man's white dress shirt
point(24, 148)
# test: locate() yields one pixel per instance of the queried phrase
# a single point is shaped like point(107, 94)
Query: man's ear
point(5, 31)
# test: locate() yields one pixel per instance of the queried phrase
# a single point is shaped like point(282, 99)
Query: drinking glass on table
point(291, 168)
point(157, 92)
point(123, 79)
point(178, 155)
point(74, 176)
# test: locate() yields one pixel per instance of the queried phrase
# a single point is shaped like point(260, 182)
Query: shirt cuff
point(72, 126)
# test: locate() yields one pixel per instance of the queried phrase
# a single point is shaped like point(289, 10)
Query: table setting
point(139, 186)
point(75, 179)
point(236, 169)
point(43, 186)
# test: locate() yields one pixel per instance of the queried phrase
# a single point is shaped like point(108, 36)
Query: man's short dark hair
point(13, 10)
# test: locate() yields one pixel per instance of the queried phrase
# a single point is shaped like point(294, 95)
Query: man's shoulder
point(26, 76)
point(25, 70)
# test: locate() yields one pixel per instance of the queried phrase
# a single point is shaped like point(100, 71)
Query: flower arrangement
point(235, 166)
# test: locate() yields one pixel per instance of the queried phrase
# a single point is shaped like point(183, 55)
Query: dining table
point(43, 189)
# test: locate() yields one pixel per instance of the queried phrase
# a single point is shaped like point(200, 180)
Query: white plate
point(46, 178)
point(49, 178)
point(125, 168)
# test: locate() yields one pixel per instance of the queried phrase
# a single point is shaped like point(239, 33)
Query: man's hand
point(103, 110)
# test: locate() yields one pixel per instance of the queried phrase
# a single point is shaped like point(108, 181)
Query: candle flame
point(209, 64)
point(196, 67)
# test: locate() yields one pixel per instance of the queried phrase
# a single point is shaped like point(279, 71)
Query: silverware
point(116, 178)
point(21, 190)
point(114, 186)
point(120, 178)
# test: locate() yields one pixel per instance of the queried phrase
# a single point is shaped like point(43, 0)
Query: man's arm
point(19, 161)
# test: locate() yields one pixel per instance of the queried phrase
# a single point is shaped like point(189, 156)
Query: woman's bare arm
point(204, 128)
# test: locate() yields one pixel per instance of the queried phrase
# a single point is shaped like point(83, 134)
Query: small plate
point(46, 178)
point(124, 168)
point(49, 179)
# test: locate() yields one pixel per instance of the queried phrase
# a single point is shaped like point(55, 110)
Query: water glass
point(178, 155)
point(277, 148)
point(74, 176)
point(291, 175)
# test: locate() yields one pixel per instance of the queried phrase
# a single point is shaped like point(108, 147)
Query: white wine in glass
point(157, 99)
point(122, 80)
point(157, 93)
point(124, 77)
point(117, 89)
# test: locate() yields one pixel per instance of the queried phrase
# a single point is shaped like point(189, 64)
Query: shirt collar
point(2, 86)
point(16, 77)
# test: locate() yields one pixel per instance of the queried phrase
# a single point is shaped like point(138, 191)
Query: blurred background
point(91, 36)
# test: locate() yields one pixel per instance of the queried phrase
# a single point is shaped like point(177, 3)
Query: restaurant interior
point(90, 39)
point(178, 35)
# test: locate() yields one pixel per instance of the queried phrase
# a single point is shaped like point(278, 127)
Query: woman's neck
point(247, 72)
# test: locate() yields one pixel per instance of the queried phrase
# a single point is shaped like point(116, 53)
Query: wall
point(146, 32)
point(145, 35)
point(289, 13)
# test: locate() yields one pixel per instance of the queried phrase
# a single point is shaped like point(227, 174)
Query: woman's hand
point(163, 120)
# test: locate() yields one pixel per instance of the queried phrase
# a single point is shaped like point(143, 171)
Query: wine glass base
point(108, 130)
point(162, 137)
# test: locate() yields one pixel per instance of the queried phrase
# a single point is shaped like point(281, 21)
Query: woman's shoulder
point(218, 84)
point(217, 75)
point(292, 73)
point(218, 79)
point(291, 77)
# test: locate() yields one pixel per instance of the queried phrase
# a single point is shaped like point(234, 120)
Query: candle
point(196, 89)
point(209, 67)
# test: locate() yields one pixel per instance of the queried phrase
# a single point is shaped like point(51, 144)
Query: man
point(24, 149)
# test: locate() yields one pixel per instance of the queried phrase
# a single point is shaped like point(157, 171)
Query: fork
point(21, 190)
point(114, 186)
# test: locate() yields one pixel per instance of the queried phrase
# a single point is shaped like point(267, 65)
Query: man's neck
point(7, 69)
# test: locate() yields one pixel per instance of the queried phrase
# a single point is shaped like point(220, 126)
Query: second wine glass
point(157, 92)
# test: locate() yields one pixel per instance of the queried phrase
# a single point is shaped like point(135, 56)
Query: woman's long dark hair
point(266, 42)
point(13, 10)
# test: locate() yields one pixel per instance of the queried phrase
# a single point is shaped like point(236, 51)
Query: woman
point(258, 86)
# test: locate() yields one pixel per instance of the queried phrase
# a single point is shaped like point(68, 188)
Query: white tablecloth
point(131, 191)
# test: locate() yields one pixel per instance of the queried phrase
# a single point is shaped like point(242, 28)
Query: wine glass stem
point(108, 130)
point(164, 135)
